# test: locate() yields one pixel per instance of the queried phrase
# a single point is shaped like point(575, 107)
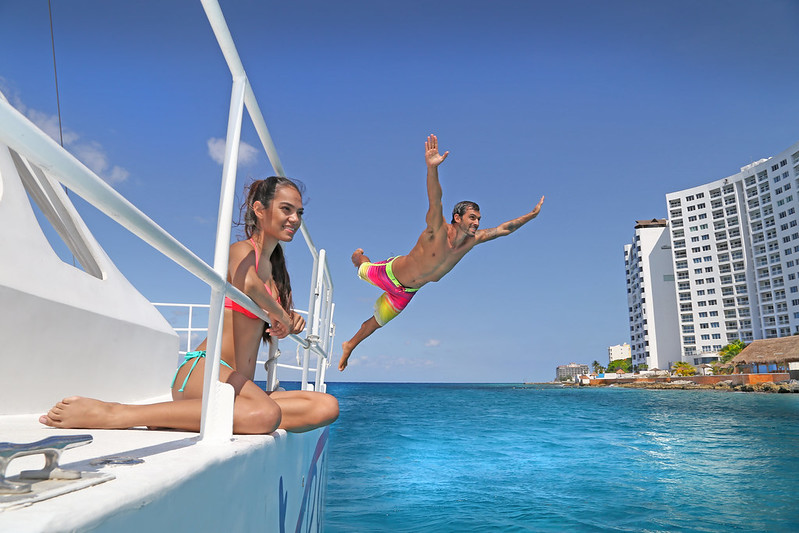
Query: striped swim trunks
point(396, 297)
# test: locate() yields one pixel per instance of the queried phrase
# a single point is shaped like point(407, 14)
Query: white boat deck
point(179, 484)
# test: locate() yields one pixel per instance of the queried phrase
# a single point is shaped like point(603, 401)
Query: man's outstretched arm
point(485, 235)
point(435, 212)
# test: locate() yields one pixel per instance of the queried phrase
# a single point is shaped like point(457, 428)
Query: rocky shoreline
point(791, 386)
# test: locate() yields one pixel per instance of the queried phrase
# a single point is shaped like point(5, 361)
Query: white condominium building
point(570, 371)
point(651, 297)
point(735, 247)
point(618, 351)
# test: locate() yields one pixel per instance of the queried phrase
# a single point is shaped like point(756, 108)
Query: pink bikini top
point(230, 304)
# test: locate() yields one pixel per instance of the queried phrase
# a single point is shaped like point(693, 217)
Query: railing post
point(188, 333)
point(311, 325)
point(271, 365)
point(217, 406)
point(322, 362)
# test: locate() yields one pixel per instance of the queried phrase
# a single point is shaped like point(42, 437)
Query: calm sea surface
point(447, 457)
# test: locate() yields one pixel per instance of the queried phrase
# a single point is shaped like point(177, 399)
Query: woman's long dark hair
point(264, 191)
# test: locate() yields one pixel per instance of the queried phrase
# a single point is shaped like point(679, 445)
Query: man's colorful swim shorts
point(396, 297)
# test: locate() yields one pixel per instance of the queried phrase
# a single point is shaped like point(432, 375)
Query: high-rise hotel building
point(735, 257)
point(651, 300)
point(735, 244)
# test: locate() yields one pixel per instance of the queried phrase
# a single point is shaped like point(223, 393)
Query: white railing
point(25, 138)
point(195, 334)
point(190, 330)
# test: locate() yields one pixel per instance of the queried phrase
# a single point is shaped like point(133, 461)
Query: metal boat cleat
point(51, 447)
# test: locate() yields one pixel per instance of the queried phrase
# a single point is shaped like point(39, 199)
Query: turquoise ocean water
point(449, 457)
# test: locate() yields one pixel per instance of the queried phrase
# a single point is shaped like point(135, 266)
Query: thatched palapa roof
point(766, 351)
point(654, 223)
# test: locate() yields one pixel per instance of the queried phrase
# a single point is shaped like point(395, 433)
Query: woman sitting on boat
point(257, 267)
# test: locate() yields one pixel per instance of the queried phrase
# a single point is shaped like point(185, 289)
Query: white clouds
point(216, 149)
point(118, 175)
point(248, 154)
point(432, 342)
point(90, 153)
point(405, 362)
point(203, 220)
point(387, 362)
point(93, 156)
point(49, 125)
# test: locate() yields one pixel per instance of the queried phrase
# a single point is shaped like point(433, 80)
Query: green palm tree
point(684, 369)
point(625, 365)
point(731, 350)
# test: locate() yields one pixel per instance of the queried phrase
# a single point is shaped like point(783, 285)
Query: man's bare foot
point(358, 258)
point(346, 348)
point(84, 413)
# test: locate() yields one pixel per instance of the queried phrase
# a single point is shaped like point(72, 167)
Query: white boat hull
point(271, 483)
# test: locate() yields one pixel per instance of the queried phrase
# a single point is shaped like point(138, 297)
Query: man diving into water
point(439, 248)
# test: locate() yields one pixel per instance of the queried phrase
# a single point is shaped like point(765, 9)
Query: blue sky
point(603, 107)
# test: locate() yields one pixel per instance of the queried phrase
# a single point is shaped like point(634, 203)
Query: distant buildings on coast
point(723, 266)
point(570, 372)
point(573, 371)
point(618, 351)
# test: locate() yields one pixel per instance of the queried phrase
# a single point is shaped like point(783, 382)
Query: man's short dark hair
point(461, 207)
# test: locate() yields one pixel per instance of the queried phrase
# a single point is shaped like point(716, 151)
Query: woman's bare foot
point(84, 413)
point(358, 258)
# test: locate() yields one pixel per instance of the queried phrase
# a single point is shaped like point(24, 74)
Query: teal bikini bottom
point(189, 356)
